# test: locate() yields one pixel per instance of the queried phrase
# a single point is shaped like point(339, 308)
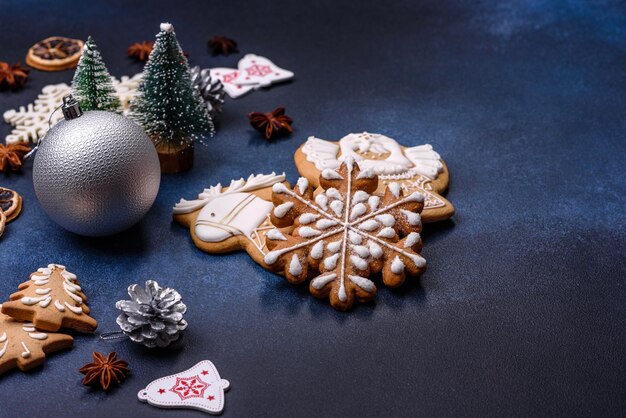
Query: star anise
point(12, 76)
point(140, 50)
point(271, 124)
point(12, 155)
point(223, 45)
point(103, 371)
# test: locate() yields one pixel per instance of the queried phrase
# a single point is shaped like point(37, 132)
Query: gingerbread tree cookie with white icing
point(417, 168)
point(24, 347)
point(345, 234)
point(52, 299)
point(231, 218)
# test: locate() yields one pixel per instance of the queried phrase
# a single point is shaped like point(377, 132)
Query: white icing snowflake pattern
point(30, 122)
point(346, 233)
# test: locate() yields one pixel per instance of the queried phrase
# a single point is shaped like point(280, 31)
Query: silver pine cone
point(153, 316)
point(211, 90)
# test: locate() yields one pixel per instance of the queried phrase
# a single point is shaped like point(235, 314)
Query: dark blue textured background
point(523, 307)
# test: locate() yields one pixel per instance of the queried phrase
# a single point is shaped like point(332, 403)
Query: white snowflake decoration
point(31, 121)
point(346, 234)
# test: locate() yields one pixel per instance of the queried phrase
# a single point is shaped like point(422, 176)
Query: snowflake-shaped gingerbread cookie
point(345, 234)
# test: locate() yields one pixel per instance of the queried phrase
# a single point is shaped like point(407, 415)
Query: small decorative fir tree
point(92, 83)
point(168, 106)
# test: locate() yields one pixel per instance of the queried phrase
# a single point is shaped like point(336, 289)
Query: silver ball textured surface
point(96, 175)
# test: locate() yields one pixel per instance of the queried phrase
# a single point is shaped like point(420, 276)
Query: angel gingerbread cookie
point(231, 218)
point(417, 168)
point(52, 299)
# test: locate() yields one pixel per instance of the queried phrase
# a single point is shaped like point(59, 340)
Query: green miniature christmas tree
point(168, 106)
point(92, 83)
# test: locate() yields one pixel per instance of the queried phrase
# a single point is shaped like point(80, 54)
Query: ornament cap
point(71, 107)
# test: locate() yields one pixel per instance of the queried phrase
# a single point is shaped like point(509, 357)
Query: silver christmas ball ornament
point(95, 173)
point(153, 316)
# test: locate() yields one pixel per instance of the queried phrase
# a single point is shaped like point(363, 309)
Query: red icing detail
point(205, 372)
point(259, 70)
point(211, 397)
point(161, 391)
point(228, 78)
point(189, 387)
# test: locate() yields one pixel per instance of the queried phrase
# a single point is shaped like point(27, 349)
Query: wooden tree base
point(175, 160)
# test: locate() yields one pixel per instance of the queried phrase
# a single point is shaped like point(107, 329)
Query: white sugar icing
point(375, 250)
point(411, 217)
point(369, 225)
point(308, 232)
point(231, 215)
point(331, 262)
point(394, 188)
point(330, 174)
point(359, 196)
point(373, 202)
point(386, 219)
point(3, 339)
point(70, 288)
point(302, 184)
point(363, 283)
point(359, 262)
point(397, 266)
point(334, 193)
point(275, 235)
point(253, 182)
point(322, 201)
point(386, 232)
point(334, 247)
point(318, 250)
point(361, 250)
point(307, 218)
point(358, 210)
point(337, 207)
point(321, 281)
point(325, 223)
point(354, 237)
point(411, 239)
point(368, 173)
point(421, 159)
point(281, 210)
point(26, 352)
point(295, 267)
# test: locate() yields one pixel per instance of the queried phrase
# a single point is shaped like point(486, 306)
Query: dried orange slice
point(3, 221)
point(55, 53)
point(10, 203)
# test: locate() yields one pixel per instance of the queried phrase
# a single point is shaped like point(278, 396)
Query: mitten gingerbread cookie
point(51, 299)
point(417, 168)
point(236, 217)
point(345, 234)
point(24, 347)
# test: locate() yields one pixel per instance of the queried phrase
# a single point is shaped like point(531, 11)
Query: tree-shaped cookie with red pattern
point(24, 347)
point(52, 299)
point(345, 234)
